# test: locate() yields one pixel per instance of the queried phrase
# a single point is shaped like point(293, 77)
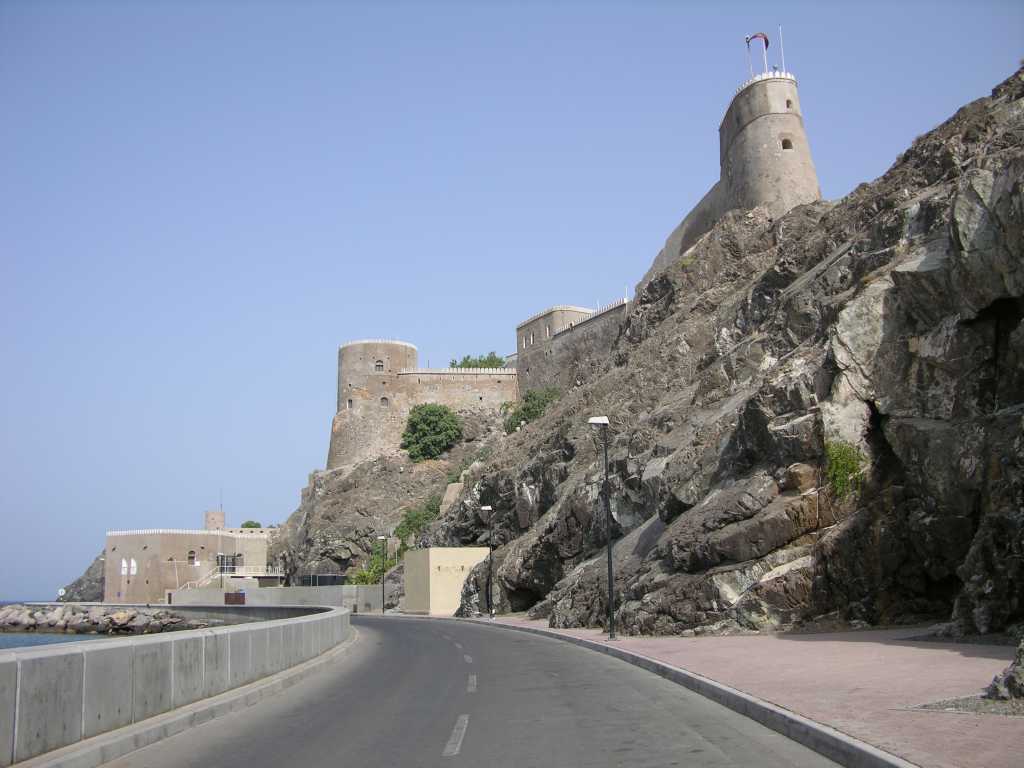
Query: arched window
point(384, 402)
point(192, 557)
point(124, 567)
point(135, 567)
point(787, 143)
point(350, 405)
point(378, 366)
point(531, 338)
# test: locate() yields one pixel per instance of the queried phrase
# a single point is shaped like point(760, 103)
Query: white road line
point(459, 646)
point(451, 749)
point(471, 684)
point(468, 658)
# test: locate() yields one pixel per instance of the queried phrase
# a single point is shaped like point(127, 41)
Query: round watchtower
point(368, 370)
point(764, 152)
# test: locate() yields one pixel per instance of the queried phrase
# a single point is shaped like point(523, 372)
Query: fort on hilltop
point(765, 160)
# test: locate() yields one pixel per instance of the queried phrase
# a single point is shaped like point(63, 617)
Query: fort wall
point(378, 385)
point(568, 357)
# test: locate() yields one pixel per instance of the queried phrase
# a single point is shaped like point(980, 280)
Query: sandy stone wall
point(566, 359)
point(373, 424)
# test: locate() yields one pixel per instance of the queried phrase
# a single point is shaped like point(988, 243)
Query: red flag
point(758, 36)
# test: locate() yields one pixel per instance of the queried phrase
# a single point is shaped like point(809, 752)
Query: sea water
point(21, 640)
point(10, 640)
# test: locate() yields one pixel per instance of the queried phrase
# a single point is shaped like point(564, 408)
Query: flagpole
point(782, 49)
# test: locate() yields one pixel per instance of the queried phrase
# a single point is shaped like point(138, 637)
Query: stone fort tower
point(764, 159)
point(379, 382)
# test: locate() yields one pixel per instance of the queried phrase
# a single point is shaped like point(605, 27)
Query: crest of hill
point(889, 323)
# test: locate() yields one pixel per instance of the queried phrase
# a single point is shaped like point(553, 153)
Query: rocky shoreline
point(93, 620)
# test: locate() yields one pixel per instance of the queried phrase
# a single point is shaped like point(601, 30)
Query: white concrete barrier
point(54, 696)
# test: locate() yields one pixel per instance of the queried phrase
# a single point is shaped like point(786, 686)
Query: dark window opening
point(191, 557)
point(384, 402)
point(789, 103)
point(350, 405)
point(787, 144)
point(379, 365)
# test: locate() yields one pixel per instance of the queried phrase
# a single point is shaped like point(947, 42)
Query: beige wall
point(434, 578)
point(543, 326)
point(161, 560)
point(373, 408)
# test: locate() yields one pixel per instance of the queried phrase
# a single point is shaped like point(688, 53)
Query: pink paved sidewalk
point(861, 683)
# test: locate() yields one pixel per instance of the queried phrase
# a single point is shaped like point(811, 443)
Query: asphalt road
point(418, 693)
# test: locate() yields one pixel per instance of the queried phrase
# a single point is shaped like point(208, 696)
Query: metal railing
point(235, 571)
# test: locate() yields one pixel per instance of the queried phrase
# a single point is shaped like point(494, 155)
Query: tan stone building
point(434, 578)
point(145, 566)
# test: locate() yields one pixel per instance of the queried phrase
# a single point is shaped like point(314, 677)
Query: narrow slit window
point(350, 404)
point(789, 103)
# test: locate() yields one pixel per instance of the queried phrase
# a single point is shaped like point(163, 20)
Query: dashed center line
point(471, 684)
point(468, 658)
point(451, 749)
point(459, 646)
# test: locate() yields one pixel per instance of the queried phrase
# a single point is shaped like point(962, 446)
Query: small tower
point(371, 402)
point(763, 148)
point(213, 520)
point(764, 159)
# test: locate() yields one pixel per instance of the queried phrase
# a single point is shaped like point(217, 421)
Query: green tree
point(490, 360)
point(430, 431)
point(252, 524)
point(531, 407)
point(373, 571)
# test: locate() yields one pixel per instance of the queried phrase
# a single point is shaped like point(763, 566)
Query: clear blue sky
point(200, 201)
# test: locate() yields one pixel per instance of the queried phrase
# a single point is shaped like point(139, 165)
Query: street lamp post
point(383, 569)
point(601, 423)
point(490, 558)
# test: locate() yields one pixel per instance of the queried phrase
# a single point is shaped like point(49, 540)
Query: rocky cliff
point(87, 588)
point(342, 511)
point(814, 418)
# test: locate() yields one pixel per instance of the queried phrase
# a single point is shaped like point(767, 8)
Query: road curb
point(101, 749)
point(823, 739)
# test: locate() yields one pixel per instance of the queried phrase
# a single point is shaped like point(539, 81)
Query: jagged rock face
point(87, 588)
point(890, 321)
point(1009, 684)
point(342, 511)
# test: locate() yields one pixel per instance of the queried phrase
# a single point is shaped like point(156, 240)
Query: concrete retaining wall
point(54, 696)
point(357, 598)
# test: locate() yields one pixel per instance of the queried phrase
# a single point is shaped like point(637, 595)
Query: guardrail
point(54, 696)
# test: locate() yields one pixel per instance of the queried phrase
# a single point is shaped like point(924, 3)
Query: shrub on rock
point(430, 431)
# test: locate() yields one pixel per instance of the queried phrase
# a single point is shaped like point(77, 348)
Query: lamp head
point(598, 421)
point(381, 538)
point(485, 509)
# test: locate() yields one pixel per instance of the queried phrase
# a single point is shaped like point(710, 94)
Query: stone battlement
point(550, 310)
point(763, 76)
point(377, 341)
point(458, 371)
point(186, 532)
point(597, 314)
